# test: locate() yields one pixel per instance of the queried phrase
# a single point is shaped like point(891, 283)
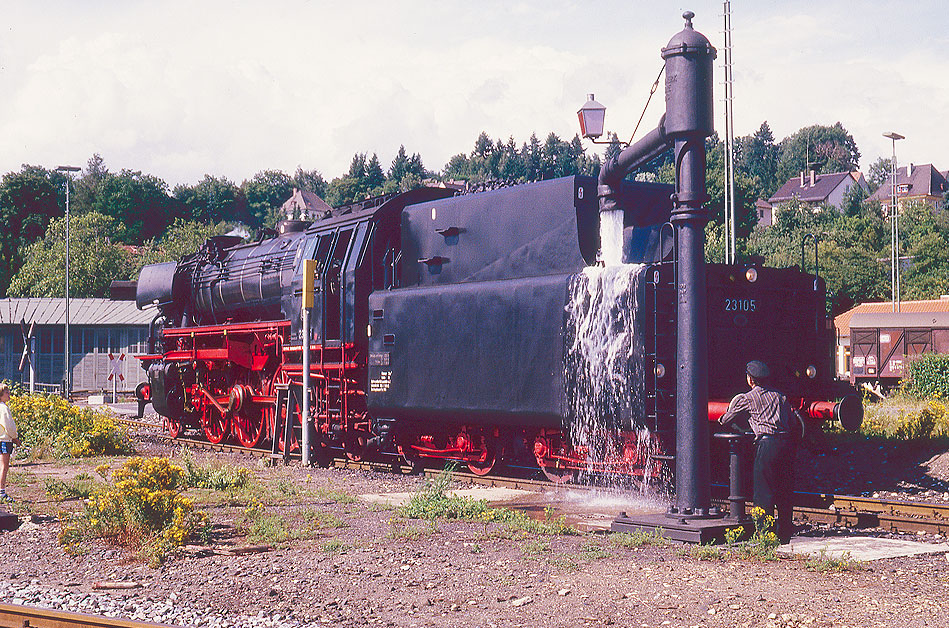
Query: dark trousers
point(774, 479)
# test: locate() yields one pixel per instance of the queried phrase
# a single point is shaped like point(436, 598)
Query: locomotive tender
point(439, 331)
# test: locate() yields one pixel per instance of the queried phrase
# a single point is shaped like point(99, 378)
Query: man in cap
point(770, 417)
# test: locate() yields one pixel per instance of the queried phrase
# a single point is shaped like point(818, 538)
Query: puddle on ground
point(586, 509)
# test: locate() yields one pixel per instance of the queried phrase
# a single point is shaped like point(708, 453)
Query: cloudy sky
point(183, 88)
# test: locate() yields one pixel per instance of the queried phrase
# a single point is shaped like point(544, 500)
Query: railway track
point(822, 508)
point(16, 616)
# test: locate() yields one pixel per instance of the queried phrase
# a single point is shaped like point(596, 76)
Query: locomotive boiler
point(443, 330)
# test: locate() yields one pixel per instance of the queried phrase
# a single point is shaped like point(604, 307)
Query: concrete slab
point(861, 548)
point(494, 495)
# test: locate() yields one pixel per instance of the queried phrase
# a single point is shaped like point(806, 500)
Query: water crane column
point(688, 121)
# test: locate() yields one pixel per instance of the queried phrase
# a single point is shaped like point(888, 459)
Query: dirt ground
point(368, 565)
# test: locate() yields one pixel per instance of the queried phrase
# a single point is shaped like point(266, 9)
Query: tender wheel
point(559, 476)
point(174, 427)
point(490, 452)
point(356, 446)
point(413, 460)
point(548, 451)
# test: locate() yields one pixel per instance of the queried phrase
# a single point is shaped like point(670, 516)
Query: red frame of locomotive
point(239, 366)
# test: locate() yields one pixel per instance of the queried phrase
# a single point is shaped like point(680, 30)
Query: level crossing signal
point(115, 368)
point(27, 332)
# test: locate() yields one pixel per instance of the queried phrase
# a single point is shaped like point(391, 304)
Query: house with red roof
point(913, 183)
point(816, 190)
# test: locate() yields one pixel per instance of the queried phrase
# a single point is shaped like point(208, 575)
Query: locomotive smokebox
point(688, 58)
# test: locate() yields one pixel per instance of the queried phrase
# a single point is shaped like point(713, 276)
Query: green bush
point(49, 421)
point(928, 376)
point(142, 509)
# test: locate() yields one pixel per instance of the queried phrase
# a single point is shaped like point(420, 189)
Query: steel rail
point(825, 508)
point(16, 616)
point(136, 422)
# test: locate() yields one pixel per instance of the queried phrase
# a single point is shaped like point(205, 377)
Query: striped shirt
point(767, 411)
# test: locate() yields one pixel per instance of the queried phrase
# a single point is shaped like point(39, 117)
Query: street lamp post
point(894, 228)
point(67, 380)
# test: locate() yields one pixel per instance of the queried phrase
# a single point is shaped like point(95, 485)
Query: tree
point(310, 181)
point(88, 186)
point(878, 173)
point(139, 202)
point(95, 260)
point(853, 276)
point(182, 238)
point(212, 200)
point(532, 156)
point(758, 159)
point(928, 277)
point(823, 149)
point(375, 177)
point(29, 199)
point(266, 191)
point(405, 173)
point(746, 216)
point(853, 201)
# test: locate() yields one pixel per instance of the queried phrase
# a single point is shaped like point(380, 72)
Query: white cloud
point(180, 89)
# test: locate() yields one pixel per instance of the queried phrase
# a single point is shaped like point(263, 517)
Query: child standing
point(8, 438)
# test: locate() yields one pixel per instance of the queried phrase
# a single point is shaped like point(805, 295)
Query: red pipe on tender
point(716, 409)
point(848, 411)
point(823, 410)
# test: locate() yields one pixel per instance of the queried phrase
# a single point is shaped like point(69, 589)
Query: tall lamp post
point(894, 228)
point(67, 380)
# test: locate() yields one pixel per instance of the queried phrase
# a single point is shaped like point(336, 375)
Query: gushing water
point(611, 237)
point(604, 360)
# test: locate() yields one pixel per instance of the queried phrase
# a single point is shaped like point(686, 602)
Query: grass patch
point(400, 529)
point(78, 488)
point(702, 552)
point(218, 477)
point(270, 528)
point(334, 546)
point(433, 502)
point(760, 546)
point(824, 563)
point(535, 547)
point(142, 510)
point(633, 540)
point(52, 427)
point(903, 417)
point(318, 519)
point(334, 495)
point(592, 550)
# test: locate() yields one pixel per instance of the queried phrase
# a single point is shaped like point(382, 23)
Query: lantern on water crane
point(592, 116)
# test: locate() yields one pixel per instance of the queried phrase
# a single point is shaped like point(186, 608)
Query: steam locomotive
point(443, 329)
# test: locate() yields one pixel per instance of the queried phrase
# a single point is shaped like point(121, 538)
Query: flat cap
point(758, 369)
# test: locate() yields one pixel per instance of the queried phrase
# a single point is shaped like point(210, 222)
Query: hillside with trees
point(123, 220)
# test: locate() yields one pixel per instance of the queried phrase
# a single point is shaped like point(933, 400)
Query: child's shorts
point(6, 447)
